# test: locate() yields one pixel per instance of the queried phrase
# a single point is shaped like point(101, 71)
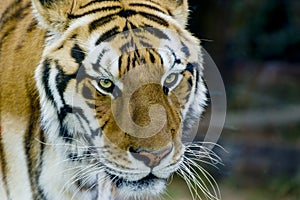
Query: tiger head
point(120, 84)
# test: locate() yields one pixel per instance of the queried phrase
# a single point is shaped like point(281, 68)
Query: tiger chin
point(96, 98)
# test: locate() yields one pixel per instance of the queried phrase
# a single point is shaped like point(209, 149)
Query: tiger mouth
point(147, 182)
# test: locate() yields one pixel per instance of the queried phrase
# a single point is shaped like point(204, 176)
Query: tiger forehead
point(128, 7)
point(141, 58)
point(131, 32)
point(113, 17)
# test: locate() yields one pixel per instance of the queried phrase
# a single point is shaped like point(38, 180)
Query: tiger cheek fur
point(95, 97)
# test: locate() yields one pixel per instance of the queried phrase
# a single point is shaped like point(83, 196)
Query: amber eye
point(171, 80)
point(106, 85)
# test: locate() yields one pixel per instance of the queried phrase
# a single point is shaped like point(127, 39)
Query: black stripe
point(108, 35)
point(133, 27)
point(96, 68)
point(6, 33)
point(207, 94)
point(34, 149)
point(38, 192)
point(101, 22)
point(152, 57)
point(127, 46)
point(79, 112)
point(29, 29)
point(61, 114)
point(154, 18)
point(78, 54)
point(166, 90)
point(176, 60)
point(41, 193)
point(62, 81)
point(3, 164)
point(130, 61)
point(10, 17)
point(64, 134)
point(147, 6)
point(185, 49)
point(156, 32)
point(11, 13)
point(124, 14)
point(127, 13)
point(46, 2)
point(190, 68)
point(97, 1)
point(120, 63)
point(29, 142)
point(45, 80)
point(16, 15)
point(7, 12)
point(190, 81)
point(104, 125)
point(104, 9)
point(146, 44)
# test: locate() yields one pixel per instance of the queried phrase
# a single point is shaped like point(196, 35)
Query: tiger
point(96, 98)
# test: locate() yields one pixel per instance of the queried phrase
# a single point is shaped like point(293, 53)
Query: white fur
point(12, 139)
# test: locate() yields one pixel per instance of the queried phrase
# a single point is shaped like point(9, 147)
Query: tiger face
point(119, 87)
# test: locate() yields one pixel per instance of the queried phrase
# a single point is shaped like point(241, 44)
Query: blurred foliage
point(263, 85)
point(266, 29)
point(279, 188)
point(248, 29)
point(285, 186)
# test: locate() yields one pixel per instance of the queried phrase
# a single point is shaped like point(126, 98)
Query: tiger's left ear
point(179, 10)
point(53, 14)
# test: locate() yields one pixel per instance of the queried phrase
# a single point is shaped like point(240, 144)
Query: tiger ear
point(53, 14)
point(178, 9)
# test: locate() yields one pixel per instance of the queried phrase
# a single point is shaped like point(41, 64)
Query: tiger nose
point(151, 159)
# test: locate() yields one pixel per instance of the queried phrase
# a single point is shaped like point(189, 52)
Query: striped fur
point(63, 135)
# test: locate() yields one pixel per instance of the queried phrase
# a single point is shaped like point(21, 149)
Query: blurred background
point(256, 46)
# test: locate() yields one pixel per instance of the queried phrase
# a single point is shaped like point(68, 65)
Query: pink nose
point(151, 159)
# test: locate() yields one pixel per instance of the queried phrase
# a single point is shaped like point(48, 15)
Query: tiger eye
point(171, 78)
point(105, 83)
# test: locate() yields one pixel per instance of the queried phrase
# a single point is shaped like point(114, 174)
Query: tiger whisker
point(205, 162)
point(82, 159)
point(208, 177)
point(200, 157)
point(194, 153)
point(198, 183)
point(84, 146)
point(86, 176)
point(202, 151)
point(68, 184)
point(80, 175)
point(191, 188)
point(202, 144)
point(191, 182)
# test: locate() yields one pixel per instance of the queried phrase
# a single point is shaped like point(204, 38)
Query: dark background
point(256, 46)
